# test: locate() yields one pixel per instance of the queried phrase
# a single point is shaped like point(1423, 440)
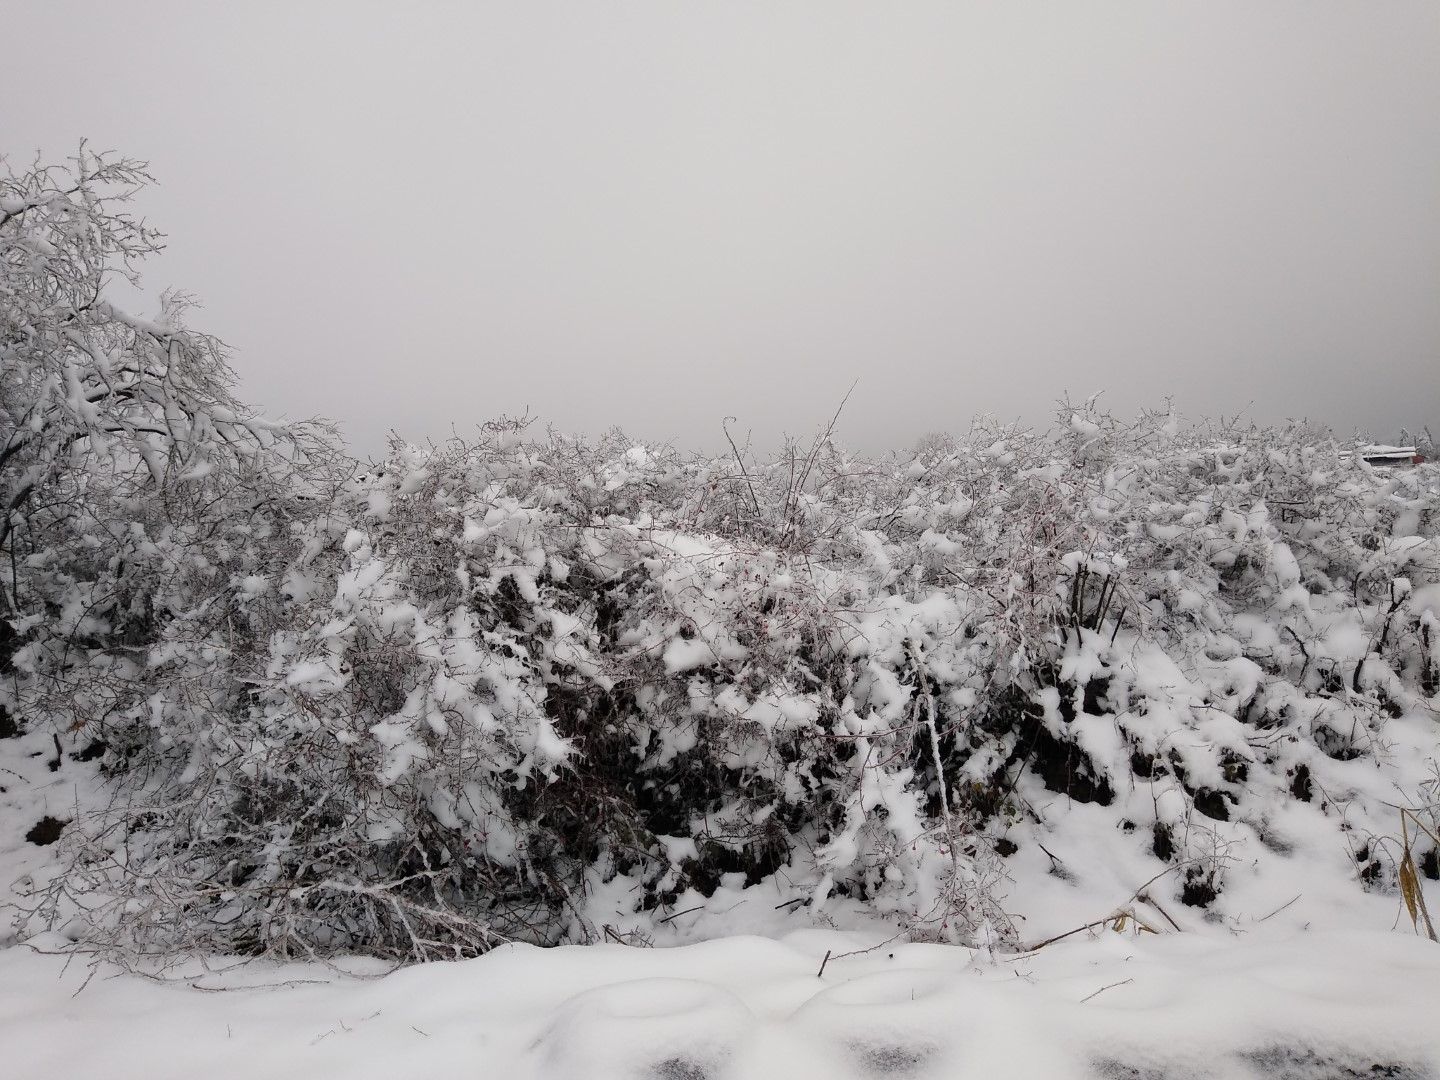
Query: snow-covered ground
point(1115, 1005)
point(1223, 998)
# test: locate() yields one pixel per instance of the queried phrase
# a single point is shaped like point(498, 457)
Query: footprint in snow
point(646, 1029)
point(892, 1023)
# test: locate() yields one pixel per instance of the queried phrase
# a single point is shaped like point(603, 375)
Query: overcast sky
point(652, 215)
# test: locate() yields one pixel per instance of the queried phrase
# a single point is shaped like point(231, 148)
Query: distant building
point(1391, 456)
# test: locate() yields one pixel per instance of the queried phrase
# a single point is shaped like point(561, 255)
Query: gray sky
point(656, 214)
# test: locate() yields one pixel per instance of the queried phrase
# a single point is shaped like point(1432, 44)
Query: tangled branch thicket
point(419, 708)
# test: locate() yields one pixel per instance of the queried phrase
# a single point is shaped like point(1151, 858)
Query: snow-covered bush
point(447, 700)
point(441, 705)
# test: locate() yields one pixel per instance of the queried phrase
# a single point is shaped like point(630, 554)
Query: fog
point(655, 215)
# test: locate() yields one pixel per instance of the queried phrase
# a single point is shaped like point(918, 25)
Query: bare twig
point(1102, 989)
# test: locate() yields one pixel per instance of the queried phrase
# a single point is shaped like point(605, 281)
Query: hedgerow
point(420, 707)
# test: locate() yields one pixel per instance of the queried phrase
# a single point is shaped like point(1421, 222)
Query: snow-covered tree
point(90, 394)
point(110, 424)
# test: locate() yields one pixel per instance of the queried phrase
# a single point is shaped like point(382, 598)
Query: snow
point(1380, 450)
point(1425, 600)
point(683, 654)
point(1097, 1005)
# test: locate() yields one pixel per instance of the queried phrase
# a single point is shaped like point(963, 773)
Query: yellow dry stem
point(1410, 888)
